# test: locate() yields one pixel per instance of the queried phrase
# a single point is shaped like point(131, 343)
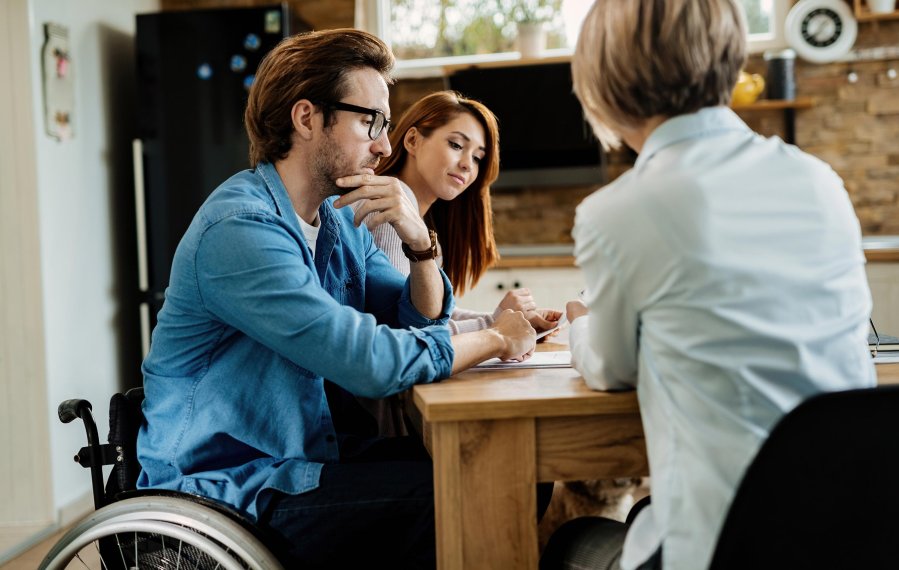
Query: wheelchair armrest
point(71, 409)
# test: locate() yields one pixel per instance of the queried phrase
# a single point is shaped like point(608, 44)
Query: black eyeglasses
point(379, 120)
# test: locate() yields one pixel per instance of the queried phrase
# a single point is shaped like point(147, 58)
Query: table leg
point(484, 487)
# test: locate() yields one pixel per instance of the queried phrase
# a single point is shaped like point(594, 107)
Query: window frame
point(374, 16)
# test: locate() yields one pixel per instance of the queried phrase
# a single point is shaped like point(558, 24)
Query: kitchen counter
point(877, 249)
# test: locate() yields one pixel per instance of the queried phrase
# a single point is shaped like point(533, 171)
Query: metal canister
point(781, 80)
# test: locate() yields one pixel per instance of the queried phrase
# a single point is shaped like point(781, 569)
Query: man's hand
point(519, 338)
point(575, 309)
point(386, 201)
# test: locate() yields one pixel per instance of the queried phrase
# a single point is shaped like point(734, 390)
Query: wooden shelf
point(864, 14)
point(776, 104)
point(787, 106)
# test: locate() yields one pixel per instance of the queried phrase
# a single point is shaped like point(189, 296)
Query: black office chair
point(823, 491)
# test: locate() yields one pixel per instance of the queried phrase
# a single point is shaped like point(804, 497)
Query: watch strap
point(424, 255)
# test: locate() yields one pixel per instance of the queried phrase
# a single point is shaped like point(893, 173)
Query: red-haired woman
point(445, 156)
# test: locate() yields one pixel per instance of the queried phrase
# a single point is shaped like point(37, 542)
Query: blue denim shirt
point(235, 403)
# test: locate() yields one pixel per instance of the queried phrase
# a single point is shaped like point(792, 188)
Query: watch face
point(822, 27)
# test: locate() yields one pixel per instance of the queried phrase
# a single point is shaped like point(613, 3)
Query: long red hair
point(465, 224)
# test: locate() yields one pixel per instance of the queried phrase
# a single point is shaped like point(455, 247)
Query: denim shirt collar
point(328, 237)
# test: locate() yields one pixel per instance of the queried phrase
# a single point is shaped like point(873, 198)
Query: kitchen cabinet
point(551, 287)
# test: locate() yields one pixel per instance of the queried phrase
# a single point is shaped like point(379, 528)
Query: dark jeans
point(375, 509)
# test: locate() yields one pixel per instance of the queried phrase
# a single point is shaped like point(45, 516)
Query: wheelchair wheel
point(159, 533)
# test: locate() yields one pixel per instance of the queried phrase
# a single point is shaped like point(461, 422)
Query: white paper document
point(890, 357)
point(555, 359)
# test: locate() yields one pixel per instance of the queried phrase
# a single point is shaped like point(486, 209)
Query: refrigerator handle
point(140, 213)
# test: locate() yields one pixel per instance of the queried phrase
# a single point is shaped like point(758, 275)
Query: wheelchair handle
point(72, 409)
point(68, 411)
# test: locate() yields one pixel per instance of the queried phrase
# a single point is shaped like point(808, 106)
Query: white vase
point(531, 39)
point(881, 6)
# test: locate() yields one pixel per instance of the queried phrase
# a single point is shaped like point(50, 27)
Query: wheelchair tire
point(159, 533)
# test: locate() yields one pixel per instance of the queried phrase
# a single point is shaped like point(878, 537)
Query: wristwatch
point(430, 253)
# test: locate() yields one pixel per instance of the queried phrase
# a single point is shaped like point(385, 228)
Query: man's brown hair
point(309, 66)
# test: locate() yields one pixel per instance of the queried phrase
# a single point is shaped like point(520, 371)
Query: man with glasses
point(275, 288)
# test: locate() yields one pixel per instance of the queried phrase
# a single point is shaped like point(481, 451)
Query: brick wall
point(853, 127)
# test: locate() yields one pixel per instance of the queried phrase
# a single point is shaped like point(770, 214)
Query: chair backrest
point(823, 491)
point(125, 419)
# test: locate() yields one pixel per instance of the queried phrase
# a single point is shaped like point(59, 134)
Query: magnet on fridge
point(252, 42)
point(273, 22)
point(204, 71)
point(238, 63)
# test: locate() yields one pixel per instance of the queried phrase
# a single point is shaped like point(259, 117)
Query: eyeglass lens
point(377, 125)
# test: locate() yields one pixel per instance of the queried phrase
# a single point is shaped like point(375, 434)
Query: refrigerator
point(194, 69)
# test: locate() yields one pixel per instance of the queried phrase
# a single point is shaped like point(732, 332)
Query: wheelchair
point(148, 529)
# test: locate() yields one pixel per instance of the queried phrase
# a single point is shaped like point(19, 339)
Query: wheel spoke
point(100, 554)
point(121, 552)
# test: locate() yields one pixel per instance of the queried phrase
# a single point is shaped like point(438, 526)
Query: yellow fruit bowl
point(747, 89)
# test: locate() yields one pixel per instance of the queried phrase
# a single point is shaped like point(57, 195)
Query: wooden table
point(494, 433)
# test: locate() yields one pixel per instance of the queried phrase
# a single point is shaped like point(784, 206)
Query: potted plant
point(530, 16)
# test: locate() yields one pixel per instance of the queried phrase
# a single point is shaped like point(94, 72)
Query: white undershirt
point(310, 232)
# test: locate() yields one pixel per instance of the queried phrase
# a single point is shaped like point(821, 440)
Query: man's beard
point(330, 163)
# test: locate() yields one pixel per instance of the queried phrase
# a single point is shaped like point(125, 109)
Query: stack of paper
point(556, 359)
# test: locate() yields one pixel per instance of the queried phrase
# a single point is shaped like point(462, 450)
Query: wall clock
point(821, 31)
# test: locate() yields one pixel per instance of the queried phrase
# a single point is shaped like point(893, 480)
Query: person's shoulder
point(608, 198)
point(245, 193)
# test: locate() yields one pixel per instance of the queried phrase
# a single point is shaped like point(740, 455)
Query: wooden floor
point(30, 559)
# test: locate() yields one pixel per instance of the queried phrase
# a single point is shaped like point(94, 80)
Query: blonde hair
point(465, 224)
point(645, 58)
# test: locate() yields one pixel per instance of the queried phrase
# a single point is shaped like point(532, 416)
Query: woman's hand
point(544, 320)
point(518, 300)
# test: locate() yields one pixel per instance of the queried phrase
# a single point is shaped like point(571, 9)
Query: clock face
point(821, 30)
point(822, 27)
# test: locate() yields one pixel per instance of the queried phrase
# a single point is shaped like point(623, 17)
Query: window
point(431, 33)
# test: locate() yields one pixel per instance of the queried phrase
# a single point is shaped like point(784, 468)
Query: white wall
point(83, 197)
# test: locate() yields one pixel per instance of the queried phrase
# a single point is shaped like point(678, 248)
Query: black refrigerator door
point(193, 73)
